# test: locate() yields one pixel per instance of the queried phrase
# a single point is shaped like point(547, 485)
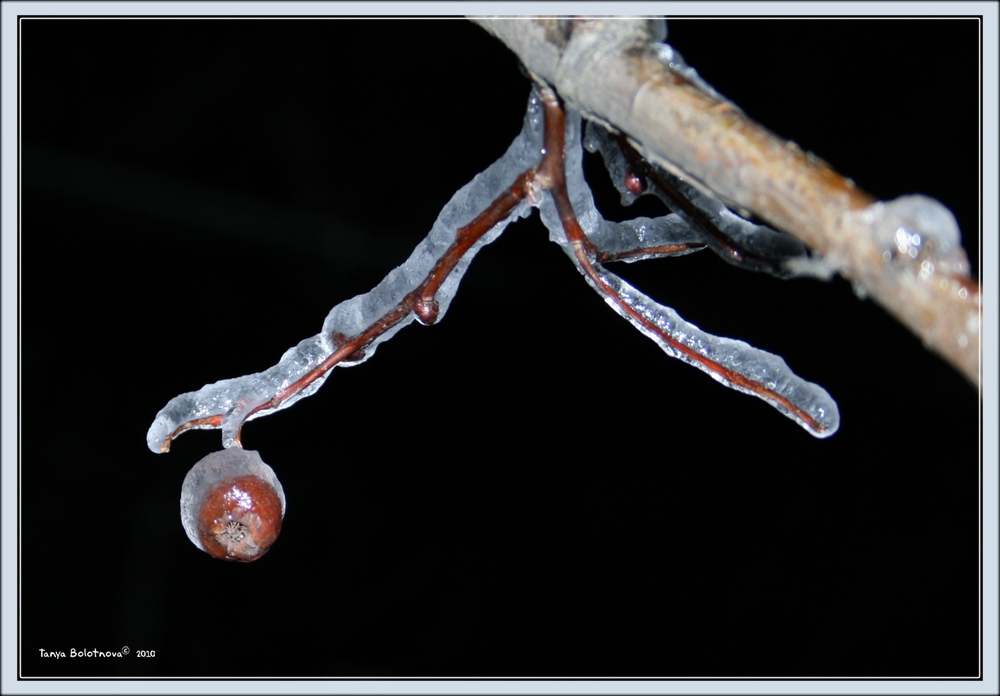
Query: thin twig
point(421, 301)
point(552, 176)
point(229, 404)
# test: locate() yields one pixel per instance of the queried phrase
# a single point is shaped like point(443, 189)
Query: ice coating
point(395, 302)
point(806, 403)
point(914, 227)
point(916, 213)
point(672, 58)
point(774, 249)
point(766, 369)
point(235, 400)
point(642, 236)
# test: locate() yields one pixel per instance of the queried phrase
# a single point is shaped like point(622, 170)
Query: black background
point(530, 488)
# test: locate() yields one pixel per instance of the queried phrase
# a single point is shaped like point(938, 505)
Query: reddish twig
point(552, 176)
point(641, 172)
point(420, 301)
point(643, 252)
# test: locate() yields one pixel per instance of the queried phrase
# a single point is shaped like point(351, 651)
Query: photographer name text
point(94, 652)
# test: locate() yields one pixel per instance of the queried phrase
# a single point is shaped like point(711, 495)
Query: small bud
point(426, 311)
point(635, 184)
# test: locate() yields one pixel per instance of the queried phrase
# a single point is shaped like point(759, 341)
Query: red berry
point(232, 505)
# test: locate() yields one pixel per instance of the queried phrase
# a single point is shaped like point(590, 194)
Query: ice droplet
point(907, 225)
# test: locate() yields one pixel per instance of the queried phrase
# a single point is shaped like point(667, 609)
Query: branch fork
point(536, 166)
point(617, 71)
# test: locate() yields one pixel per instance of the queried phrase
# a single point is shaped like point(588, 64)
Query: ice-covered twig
point(421, 289)
point(575, 224)
point(532, 173)
point(738, 241)
point(615, 70)
point(644, 238)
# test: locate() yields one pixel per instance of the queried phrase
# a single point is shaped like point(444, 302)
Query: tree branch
point(905, 253)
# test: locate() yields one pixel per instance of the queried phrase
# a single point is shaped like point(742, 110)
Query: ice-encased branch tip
point(542, 169)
